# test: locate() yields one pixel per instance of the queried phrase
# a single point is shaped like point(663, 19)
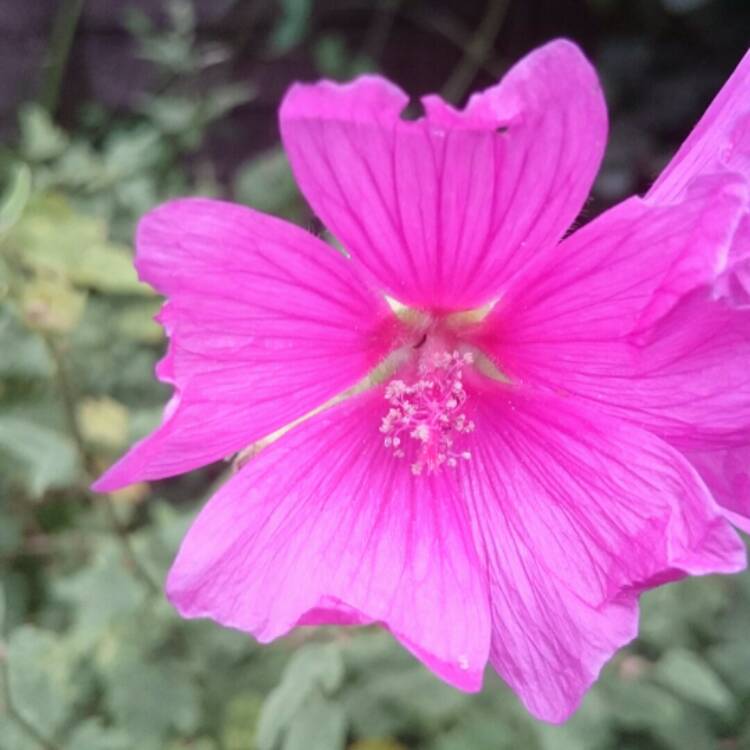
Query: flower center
point(429, 412)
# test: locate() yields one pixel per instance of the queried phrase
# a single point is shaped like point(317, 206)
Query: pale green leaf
point(2, 608)
point(103, 421)
point(136, 322)
point(291, 28)
point(53, 238)
point(101, 593)
point(266, 183)
point(52, 305)
point(694, 679)
point(642, 705)
point(319, 725)
point(28, 357)
point(39, 678)
point(13, 737)
point(314, 667)
point(93, 735)
point(241, 720)
point(15, 197)
point(41, 139)
point(38, 457)
point(150, 699)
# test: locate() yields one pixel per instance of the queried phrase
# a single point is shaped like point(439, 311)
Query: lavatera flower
point(492, 421)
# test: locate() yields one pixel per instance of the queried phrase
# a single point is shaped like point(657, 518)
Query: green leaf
point(732, 660)
point(52, 305)
point(52, 238)
point(93, 735)
point(37, 457)
point(292, 27)
point(40, 679)
point(198, 743)
point(693, 679)
point(150, 699)
point(15, 197)
point(11, 535)
point(642, 705)
point(12, 737)
point(223, 100)
point(241, 720)
point(693, 730)
point(131, 152)
point(562, 738)
point(332, 58)
point(16, 595)
point(136, 322)
point(319, 725)
point(106, 582)
point(79, 167)
point(41, 139)
point(313, 667)
point(2, 608)
point(590, 728)
point(377, 743)
point(673, 614)
point(103, 421)
point(397, 698)
point(30, 357)
point(266, 183)
point(173, 114)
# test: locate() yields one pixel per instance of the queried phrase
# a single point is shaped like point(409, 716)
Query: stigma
point(429, 412)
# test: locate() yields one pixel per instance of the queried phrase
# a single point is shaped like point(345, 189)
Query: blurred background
point(108, 107)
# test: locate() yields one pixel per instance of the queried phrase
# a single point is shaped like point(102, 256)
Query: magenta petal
point(444, 210)
point(584, 325)
point(325, 525)
point(597, 324)
point(615, 276)
point(689, 380)
point(727, 474)
point(577, 514)
point(265, 323)
point(734, 284)
point(721, 140)
point(718, 393)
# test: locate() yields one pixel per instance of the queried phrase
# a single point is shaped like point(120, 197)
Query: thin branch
point(446, 25)
point(61, 40)
point(377, 34)
point(68, 396)
point(476, 51)
point(69, 399)
point(451, 30)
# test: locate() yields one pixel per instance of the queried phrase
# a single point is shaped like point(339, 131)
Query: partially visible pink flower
point(503, 482)
point(721, 142)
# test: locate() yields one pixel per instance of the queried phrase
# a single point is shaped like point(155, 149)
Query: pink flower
point(512, 476)
point(721, 142)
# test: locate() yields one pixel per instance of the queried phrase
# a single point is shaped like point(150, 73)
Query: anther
point(429, 412)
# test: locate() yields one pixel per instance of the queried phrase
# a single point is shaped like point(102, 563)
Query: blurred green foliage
point(91, 655)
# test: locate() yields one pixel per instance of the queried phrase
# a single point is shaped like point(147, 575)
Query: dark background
point(661, 61)
point(109, 107)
